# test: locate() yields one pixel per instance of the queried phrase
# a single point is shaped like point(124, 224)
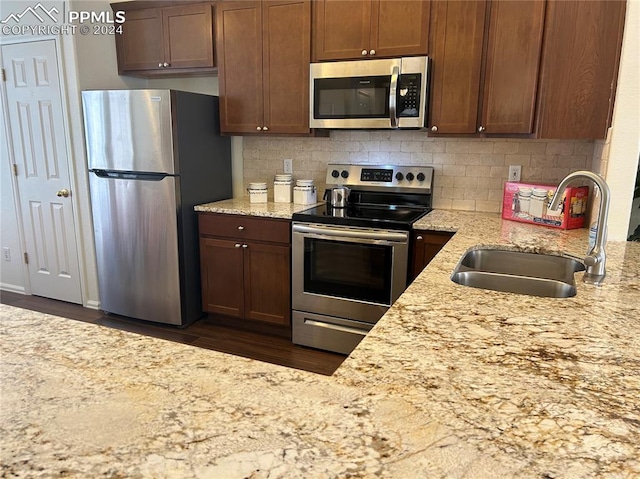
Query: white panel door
point(38, 142)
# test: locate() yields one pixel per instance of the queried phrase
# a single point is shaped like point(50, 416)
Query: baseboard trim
point(13, 288)
point(92, 305)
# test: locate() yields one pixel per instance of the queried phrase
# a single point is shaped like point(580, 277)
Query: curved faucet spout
point(596, 259)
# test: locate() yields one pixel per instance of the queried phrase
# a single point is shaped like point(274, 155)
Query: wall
point(624, 148)
point(469, 173)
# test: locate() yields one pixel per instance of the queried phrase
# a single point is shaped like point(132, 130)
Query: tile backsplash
point(469, 172)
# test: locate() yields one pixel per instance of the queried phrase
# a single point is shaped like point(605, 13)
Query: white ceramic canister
point(282, 185)
point(257, 192)
point(304, 193)
point(538, 203)
point(524, 196)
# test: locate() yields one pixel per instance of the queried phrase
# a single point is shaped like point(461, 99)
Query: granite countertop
point(242, 206)
point(452, 382)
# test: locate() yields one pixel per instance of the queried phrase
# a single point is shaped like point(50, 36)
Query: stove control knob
point(344, 174)
point(420, 176)
point(335, 173)
point(410, 176)
point(399, 176)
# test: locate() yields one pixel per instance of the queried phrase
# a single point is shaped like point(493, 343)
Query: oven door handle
point(335, 327)
point(379, 237)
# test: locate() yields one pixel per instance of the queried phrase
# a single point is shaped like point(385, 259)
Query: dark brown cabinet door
point(286, 29)
point(457, 29)
point(140, 45)
point(511, 66)
point(263, 58)
point(580, 60)
point(425, 245)
point(341, 29)
point(239, 42)
point(267, 283)
point(222, 277)
point(399, 28)
point(188, 36)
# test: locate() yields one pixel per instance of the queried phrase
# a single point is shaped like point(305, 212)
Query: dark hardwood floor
point(208, 333)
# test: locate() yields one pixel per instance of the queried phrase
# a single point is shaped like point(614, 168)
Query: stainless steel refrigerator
point(153, 155)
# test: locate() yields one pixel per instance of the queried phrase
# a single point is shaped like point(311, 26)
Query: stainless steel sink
point(533, 274)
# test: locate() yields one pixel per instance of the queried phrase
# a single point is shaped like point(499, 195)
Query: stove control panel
point(409, 178)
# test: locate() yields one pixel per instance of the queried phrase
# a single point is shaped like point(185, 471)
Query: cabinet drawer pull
point(240, 228)
point(419, 238)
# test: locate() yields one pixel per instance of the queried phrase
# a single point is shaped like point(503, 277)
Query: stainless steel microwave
point(389, 93)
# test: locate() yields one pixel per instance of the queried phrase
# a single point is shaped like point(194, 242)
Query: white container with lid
point(538, 203)
point(282, 185)
point(257, 192)
point(304, 193)
point(524, 196)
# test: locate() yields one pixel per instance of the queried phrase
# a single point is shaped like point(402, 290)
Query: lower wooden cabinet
point(242, 275)
point(424, 246)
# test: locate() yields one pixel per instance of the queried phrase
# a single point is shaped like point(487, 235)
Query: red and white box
point(528, 203)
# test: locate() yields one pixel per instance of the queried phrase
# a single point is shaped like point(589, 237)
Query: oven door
point(354, 273)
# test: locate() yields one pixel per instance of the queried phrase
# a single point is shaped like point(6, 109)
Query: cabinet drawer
point(245, 227)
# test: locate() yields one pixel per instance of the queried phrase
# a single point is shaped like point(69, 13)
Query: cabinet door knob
point(481, 128)
point(372, 52)
point(434, 128)
point(364, 53)
point(160, 65)
point(237, 245)
point(419, 238)
point(165, 64)
point(258, 128)
point(264, 128)
point(245, 245)
point(240, 228)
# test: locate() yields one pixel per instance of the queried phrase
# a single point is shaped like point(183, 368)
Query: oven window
point(348, 270)
point(357, 97)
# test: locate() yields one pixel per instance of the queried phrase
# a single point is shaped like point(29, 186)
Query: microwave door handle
point(393, 94)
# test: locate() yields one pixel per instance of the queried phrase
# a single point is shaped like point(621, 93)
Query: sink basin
point(533, 274)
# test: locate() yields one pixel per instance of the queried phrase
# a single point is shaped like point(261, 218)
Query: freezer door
point(136, 234)
point(129, 130)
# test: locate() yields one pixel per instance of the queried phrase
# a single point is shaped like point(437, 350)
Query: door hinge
point(4, 75)
point(26, 258)
point(15, 169)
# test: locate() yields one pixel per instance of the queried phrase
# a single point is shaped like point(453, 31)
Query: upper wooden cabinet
point(263, 56)
point(580, 60)
point(357, 29)
point(485, 58)
point(167, 40)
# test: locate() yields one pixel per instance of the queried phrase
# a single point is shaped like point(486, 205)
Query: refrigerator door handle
point(128, 175)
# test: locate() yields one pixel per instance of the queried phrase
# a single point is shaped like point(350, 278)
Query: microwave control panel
point(409, 94)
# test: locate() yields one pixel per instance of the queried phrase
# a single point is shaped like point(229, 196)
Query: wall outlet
point(6, 254)
point(288, 166)
point(515, 172)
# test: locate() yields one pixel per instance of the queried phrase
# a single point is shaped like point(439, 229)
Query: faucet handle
point(591, 260)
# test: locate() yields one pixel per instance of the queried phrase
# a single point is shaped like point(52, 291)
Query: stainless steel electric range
point(350, 263)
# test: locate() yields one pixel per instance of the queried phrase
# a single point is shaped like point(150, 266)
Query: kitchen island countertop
point(452, 382)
